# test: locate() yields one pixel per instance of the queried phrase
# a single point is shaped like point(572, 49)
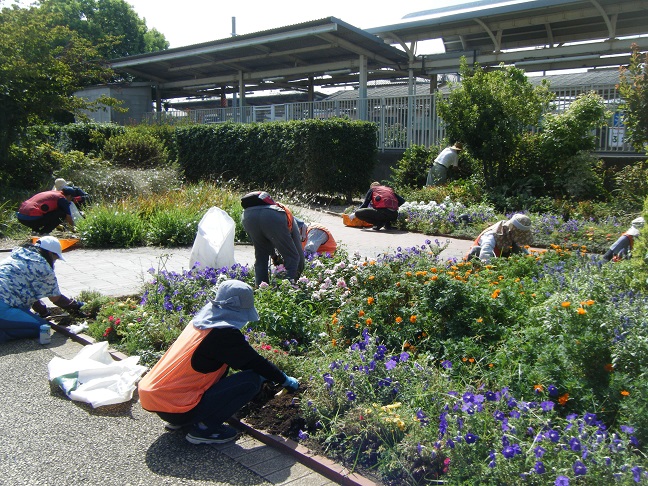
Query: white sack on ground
point(214, 243)
point(94, 377)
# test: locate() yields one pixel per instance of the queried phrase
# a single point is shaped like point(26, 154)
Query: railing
point(402, 121)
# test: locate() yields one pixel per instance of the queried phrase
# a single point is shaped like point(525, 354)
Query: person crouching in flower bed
point(26, 276)
point(502, 239)
point(190, 384)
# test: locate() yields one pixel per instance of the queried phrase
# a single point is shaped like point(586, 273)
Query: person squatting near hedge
point(271, 226)
point(190, 384)
point(79, 196)
point(502, 239)
point(380, 206)
point(448, 158)
point(622, 247)
point(26, 276)
point(46, 210)
point(316, 238)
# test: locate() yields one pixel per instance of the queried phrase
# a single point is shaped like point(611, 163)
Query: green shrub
point(173, 227)
point(111, 226)
point(411, 170)
point(136, 149)
point(88, 138)
point(631, 187)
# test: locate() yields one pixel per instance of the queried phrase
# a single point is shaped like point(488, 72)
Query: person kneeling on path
point(46, 210)
point(190, 384)
point(271, 226)
point(26, 276)
point(622, 247)
point(380, 206)
point(316, 239)
point(503, 238)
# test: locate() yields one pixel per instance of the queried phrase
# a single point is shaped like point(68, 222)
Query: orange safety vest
point(497, 250)
point(630, 238)
point(383, 197)
point(289, 216)
point(172, 385)
point(41, 203)
point(329, 246)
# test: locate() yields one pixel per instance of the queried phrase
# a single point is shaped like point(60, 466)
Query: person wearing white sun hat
point(27, 276)
point(622, 247)
point(503, 238)
point(448, 158)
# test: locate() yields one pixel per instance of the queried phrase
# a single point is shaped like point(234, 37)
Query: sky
point(194, 21)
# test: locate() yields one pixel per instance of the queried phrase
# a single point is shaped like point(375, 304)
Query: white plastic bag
point(94, 377)
point(75, 213)
point(214, 243)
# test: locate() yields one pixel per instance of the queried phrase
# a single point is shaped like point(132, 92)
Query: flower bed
point(530, 369)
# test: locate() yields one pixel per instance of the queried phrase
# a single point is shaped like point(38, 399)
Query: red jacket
point(41, 204)
point(383, 197)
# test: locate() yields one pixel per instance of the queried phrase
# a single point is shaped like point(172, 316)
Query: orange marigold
point(412, 319)
point(609, 367)
point(625, 393)
point(538, 388)
point(334, 342)
point(371, 277)
point(369, 321)
point(563, 399)
point(361, 313)
point(589, 302)
point(496, 293)
point(566, 304)
point(399, 319)
point(370, 300)
point(480, 319)
point(581, 311)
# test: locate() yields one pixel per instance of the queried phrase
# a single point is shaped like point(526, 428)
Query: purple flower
point(579, 468)
point(447, 364)
point(450, 443)
point(574, 444)
point(302, 435)
point(539, 467)
point(404, 356)
point(636, 474)
point(511, 451)
point(470, 438)
point(539, 451)
point(328, 380)
point(627, 429)
point(390, 365)
point(547, 406)
point(350, 396)
point(553, 391)
point(553, 435)
point(491, 396)
point(562, 481)
point(590, 418)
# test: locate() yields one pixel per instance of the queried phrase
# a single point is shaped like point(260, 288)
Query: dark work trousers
point(377, 217)
point(46, 223)
point(268, 229)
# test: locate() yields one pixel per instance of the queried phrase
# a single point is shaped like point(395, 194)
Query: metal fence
point(402, 121)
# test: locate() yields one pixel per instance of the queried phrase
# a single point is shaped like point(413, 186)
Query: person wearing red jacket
point(380, 206)
point(190, 385)
point(46, 210)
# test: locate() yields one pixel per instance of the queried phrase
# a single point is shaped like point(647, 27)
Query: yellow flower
point(371, 277)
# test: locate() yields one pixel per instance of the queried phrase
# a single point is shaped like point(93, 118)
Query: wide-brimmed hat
point(520, 229)
point(233, 306)
point(60, 184)
point(457, 146)
point(638, 222)
point(51, 244)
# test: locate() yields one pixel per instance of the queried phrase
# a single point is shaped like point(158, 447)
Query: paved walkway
point(50, 440)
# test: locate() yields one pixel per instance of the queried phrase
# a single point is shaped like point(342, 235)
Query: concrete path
point(50, 440)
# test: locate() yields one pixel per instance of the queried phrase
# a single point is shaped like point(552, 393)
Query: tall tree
point(633, 86)
point(112, 26)
point(489, 111)
point(41, 66)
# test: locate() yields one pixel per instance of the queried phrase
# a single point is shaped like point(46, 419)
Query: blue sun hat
point(233, 306)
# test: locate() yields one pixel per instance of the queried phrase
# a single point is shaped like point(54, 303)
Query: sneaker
point(223, 433)
point(172, 427)
point(377, 227)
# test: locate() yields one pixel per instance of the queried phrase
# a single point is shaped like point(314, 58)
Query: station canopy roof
point(326, 50)
point(536, 35)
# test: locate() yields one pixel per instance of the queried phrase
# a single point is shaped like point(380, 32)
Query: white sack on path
point(214, 243)
point(94, 377)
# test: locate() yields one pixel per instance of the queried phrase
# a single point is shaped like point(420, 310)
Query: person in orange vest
point(46, 210)
point(190, 384)
point(502, 238)
point(380, 206)
point(316, 239)
point(271, 227)
point(622, 247)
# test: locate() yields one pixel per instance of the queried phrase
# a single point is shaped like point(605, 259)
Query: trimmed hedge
point(334, 156)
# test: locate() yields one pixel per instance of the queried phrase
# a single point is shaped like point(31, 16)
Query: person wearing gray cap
point(503, 238)
point(27, 276)
point(191, 384)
